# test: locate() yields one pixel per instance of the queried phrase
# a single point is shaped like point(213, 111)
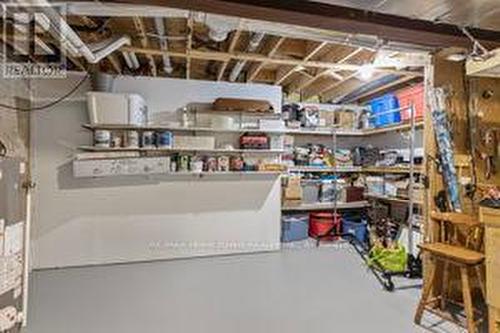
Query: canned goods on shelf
point(102, 138)
point(148, 139)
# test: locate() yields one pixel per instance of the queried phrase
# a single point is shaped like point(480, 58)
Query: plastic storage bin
point(332, 189)
point(375, 185)
point(310, 191)
point(380, 108)
point(355, 227)
point(412, 95)
point(294, 227)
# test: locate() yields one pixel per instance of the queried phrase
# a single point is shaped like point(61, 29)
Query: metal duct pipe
point(69, 38)
point(131, 59)
point(160, 29)
point(252, 46)
point(219, 26)
point(102, 82)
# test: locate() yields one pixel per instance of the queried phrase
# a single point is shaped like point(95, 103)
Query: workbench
point(491, 219)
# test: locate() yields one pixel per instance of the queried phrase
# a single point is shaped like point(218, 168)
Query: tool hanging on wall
point(488, 151)
point(437, 98)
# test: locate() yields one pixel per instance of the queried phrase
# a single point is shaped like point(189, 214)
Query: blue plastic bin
point(355, 227)
point(380, 106)
point(294, 227)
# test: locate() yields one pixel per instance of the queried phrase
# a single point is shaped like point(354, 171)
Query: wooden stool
point(447, 252)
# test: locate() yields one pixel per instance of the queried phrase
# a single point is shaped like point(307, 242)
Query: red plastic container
point(322, 222)
point(412, 95)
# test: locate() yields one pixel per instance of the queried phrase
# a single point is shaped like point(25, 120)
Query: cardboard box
point(237, 104)
point(328, 117)
point(345, 119)
point(293, 190)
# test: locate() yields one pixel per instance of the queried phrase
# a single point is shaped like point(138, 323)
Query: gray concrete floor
point(296, 290)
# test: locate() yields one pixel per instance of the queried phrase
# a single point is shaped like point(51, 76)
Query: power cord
point(3, 149)
point(46, 106)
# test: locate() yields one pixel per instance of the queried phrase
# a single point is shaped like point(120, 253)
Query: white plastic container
point(271, 124)
point(277, 142)
point(222, 122)
point(116, 108)
point(194, 142)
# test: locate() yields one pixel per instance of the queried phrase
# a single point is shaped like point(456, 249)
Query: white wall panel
point(109, 220)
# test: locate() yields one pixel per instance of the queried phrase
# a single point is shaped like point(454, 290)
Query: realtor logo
point(32, 47)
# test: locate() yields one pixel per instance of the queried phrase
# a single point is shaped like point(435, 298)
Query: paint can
point(116, 139)
point(102, 138)
point(211, 164)
point(196, 164)
point(164, 139)
point(237, 163)
point(173, 165)
point(183, 163)
point(148, 139)
point(132, 139)
point(223, 164)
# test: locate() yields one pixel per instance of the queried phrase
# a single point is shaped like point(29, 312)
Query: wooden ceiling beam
point(189, 45)
point(232, 45)
point(295, 48)
point(141, 30)
point(328, 71)
point(309, 56)
point(385, 87)
point(345, 89)
point(266, 75)
point(254, 71)
point(339, 18)
point(331, 86)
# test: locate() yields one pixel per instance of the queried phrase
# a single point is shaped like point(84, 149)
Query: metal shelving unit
point(385, 277)
point(326, 206)
point(413, 268)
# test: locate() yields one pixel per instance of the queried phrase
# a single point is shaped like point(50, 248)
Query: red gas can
point(323, 222)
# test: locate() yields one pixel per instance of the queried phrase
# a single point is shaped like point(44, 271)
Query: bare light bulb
point(366, 72)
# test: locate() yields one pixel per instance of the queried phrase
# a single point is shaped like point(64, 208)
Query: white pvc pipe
point(26, 257)
point(128, 61)
point(160, 29)
point(69, 37)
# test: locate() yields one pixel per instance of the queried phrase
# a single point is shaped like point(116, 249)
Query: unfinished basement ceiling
point(184, 44)
point(481, 14)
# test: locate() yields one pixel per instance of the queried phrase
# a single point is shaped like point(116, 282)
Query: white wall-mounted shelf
point(312, 132)
point(183, 150)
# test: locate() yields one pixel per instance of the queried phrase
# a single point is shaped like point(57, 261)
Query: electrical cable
point(3, 149)
point(59, 100)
